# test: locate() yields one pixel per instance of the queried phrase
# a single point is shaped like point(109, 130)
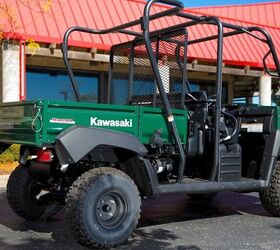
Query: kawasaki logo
point(126, 123)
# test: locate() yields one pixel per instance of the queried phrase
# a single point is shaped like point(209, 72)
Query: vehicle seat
point(174, 98)
point(196, 103)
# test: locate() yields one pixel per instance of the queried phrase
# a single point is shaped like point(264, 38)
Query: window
point(210, 89)
point(140, 87)
point(254, 100)
point(196, 85)
point(177, 87)
point(52, 84)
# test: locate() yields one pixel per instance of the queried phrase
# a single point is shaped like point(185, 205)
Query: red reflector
point(44, 155)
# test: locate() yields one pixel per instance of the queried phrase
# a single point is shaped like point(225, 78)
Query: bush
point(11, 154)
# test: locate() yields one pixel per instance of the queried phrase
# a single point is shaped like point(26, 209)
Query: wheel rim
point(36, 190)
point(111, 210)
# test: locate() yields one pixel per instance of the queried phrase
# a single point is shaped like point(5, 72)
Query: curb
point(4, 180)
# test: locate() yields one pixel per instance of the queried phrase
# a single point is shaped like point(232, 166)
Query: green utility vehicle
point(152, 136)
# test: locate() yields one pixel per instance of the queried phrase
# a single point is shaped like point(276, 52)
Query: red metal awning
point(266, 14)
point(49, 27)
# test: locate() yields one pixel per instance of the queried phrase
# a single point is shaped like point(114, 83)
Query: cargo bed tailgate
point(16, 123)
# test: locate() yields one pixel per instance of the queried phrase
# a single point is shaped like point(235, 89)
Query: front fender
point(75, 142)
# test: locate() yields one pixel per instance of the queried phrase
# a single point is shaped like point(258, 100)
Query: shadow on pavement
point(179, 207)
point(248, 203)
point(164, 209)
point(155, 239)
point(277, 226)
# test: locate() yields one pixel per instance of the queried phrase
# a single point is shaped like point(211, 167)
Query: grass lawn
point(7, 168)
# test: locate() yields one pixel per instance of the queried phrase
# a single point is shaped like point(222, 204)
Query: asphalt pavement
point(230, 221)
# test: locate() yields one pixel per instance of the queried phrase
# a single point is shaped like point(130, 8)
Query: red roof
point(49, 27)
point(266, 14)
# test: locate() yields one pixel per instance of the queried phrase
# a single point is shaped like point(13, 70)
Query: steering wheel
point(211, 100)
point(235, 126)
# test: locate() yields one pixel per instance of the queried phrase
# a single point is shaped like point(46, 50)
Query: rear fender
point(76, 142)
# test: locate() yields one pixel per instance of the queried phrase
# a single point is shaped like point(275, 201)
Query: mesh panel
point(132, 78)
point(120, 79)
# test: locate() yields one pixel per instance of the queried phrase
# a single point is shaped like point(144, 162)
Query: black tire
point(103, 207)
point(202, 197)
point(21, 194)
point(270, 197)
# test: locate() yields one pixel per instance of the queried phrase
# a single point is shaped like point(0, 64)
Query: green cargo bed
point(38, 122)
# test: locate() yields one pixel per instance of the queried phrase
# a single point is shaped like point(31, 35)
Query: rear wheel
point(103, 207)
point(270, 197)
point(22, 194)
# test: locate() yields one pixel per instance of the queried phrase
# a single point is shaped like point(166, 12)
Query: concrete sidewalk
point(3, 180)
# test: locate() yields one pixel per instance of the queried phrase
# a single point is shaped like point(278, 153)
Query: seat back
point(196, 103)
point(174, 98)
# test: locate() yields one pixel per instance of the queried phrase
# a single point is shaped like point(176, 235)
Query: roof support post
point(265, 90)
point(10, 72)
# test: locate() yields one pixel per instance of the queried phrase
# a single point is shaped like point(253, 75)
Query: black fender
point(77, 141)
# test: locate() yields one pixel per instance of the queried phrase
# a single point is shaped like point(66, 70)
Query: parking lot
point(230, 221)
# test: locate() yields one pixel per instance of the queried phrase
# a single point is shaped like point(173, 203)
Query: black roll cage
point(146, 35)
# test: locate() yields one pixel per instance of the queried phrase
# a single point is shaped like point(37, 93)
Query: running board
point(211, 187)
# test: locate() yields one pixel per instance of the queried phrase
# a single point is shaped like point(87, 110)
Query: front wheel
point(270, 197)
point(103, 207)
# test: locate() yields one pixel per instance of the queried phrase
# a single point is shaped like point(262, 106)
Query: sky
point(194, 3)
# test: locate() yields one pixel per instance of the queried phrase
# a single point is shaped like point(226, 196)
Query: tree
point(9, 20)
point(9, 24)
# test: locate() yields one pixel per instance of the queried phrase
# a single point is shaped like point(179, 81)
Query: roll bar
point(146, 34)
point(120, 28)
point(154, 64)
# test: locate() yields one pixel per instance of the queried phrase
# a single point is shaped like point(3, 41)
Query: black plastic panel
point(230, 159)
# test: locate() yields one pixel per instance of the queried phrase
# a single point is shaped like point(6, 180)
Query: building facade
point(27, 74)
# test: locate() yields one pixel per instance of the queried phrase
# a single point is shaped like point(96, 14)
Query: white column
point(10, 73)
point(165, 76)
point(265, 90)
